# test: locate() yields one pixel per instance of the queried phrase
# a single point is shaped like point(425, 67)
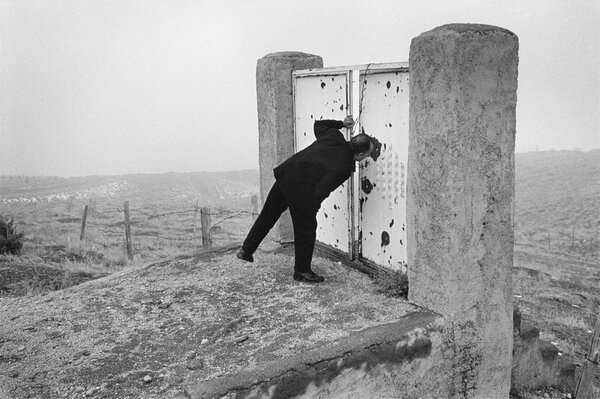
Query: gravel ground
point(146, 332)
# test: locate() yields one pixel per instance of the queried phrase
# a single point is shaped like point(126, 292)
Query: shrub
point(11, 241)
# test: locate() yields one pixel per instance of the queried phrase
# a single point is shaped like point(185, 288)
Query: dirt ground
point(148, 331)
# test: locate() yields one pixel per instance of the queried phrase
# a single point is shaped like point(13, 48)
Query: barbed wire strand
point(170, 213)
point(110, 236)
point(224, 219)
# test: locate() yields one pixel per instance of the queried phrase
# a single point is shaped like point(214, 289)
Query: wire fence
point(160, 222)
point(204, 225)
point(137, 228)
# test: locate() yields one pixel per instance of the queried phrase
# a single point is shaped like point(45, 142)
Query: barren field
point(556, 275)
point(164, 215)
point(557, 270)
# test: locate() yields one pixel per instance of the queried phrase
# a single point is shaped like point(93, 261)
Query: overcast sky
point(146, 86)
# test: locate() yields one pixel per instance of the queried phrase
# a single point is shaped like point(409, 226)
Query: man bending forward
point(302, 183)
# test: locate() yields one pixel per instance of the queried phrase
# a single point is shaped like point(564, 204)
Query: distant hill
point(556, 192)
point(208, 188)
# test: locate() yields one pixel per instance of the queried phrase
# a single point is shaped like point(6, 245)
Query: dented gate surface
point(365, 218)
point(382, 184)
point(316, 97)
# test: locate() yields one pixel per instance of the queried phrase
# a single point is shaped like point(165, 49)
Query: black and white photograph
point(310, 199)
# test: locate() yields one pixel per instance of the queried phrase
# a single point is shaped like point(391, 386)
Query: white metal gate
point(365, 218)
point(326, 96)
point(382, 184)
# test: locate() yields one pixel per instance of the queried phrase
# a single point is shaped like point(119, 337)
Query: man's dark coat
point(309, 176)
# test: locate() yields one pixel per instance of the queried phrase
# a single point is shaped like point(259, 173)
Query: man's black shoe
point(308, 277)
point(245, 256)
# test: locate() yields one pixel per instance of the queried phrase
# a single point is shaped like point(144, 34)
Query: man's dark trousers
point(303, 220)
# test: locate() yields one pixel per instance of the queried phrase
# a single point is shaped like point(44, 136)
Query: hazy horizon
point(119, 87)
point(219, 171)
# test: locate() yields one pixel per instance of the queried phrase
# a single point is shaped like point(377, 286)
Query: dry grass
point(557, 202)
point(572, 322)
point(566, 348)
point(160, 229)
point(564, 308)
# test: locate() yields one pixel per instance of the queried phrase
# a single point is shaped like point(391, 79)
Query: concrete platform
point(341, 338)
point(385, 361)
point(208, 325)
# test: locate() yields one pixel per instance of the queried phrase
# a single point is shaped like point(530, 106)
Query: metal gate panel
point(317, 97)
point(382, 184)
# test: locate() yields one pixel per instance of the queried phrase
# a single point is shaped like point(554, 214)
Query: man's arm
point(322, 126)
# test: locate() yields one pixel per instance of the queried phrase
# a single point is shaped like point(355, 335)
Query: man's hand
point(348, 122)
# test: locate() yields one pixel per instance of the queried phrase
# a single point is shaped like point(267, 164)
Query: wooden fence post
point(195, 216)
point(591, 367)
point(83, 220)
point(205, 221)
point(128, 231)
point(92, 204)
point(254, 202)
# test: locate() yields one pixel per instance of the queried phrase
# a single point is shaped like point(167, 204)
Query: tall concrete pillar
point(276, 117)
point(463, 84)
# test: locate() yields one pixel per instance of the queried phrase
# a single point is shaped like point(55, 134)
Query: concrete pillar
point(463, 83)
point(276, 117)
